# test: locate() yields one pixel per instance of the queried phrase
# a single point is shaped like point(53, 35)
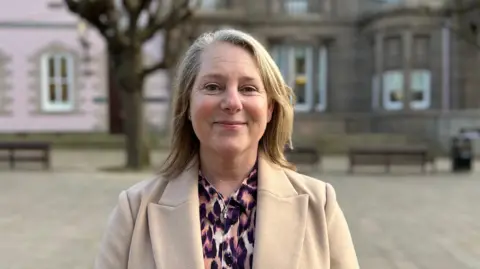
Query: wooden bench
point(388, 156)
point(303, 155)
point(14, 152)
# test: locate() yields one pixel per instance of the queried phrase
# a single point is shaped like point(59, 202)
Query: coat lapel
point(174, 224)
point(281, 220)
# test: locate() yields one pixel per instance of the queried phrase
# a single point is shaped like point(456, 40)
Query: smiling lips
point(230, 124)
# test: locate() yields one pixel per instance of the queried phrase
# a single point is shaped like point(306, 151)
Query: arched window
point(57, 82)
point(395, 86)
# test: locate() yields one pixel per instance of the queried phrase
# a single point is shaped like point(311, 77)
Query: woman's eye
point(211, 87)
point(249, 89)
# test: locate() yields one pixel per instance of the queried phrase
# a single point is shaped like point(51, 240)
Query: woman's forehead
point(223, 59)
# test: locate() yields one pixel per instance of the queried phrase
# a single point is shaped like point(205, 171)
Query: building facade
point(54, 73)
point(357, 66)
point(365, 66)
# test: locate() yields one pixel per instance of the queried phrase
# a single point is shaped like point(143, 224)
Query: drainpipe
point(446, 66)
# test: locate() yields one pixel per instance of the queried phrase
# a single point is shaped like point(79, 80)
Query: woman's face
point(229, 107)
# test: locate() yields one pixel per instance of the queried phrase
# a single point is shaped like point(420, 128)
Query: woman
point(226, 196)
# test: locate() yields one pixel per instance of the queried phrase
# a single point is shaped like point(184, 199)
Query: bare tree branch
point(151, 69)
point(175, 41)
point(129, 6)
point(459, 7)
point(90, 11)
point(467, 38)
point(103, 16)
point(178, 14)
point(467, 27)
point(108, 15)
point(145, 4)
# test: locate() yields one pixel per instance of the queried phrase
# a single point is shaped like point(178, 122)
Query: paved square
point(402, 221)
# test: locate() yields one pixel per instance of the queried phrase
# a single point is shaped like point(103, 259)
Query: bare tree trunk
point(137, 148)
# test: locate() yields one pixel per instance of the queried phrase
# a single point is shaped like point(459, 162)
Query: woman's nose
point(231, 100)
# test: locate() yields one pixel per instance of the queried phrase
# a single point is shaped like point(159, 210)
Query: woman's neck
point(218, 168)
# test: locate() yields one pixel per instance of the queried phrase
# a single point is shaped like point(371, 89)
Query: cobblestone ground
point(402, 221)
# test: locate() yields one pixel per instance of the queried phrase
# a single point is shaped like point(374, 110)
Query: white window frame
point(307, 106)
point(376, 86)
point(295, 7)
point(322, 79)
point(208, 5)
point(284, 57)
point(393, 2)
point(390, 79)
point(46, 104)
point(423, 78)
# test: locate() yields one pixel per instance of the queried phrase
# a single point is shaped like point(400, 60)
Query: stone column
point(314, 6)
point(407, 41)
point(378, 67)
point(326, 7)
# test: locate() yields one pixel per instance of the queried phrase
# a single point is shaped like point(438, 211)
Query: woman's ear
point(270, 111)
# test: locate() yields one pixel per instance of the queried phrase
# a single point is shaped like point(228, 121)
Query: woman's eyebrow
point(220, 76)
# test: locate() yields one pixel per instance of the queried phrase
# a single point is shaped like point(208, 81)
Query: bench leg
point(11, 158)
point(46, 162)
point(351, 164)
point(387, 167)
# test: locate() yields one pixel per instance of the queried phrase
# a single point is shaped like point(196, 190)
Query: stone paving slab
point(405, 220)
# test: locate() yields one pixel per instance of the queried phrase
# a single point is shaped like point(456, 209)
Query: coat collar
point(174, 223)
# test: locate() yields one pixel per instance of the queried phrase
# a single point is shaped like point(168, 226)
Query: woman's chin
point(228, 147)
point(226, 150)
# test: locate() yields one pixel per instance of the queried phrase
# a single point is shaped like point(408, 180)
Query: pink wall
point(33, 10)
point(28, 26)
point(20, 45)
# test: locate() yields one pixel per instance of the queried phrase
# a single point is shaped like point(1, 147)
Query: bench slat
point(13, 152)
point(387, 156)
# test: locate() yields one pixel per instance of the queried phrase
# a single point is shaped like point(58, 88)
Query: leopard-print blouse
point(228, 236)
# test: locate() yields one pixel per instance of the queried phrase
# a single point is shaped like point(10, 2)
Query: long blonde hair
point(185, 144)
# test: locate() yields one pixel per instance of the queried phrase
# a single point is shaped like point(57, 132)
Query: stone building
point(386, 68)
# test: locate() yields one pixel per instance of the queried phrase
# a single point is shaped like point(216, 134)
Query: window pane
point(209, 4)
point(395, 96)
point(418, 83)
point(322, 78)
point(300, 61)
point(393, 52)
point(393, 93)
point(394, 86)
point(51, 67)
point(280, 56)
point(296, 6)
point(417, 96)
point(300, 89)
point(63, 67)
point(420, 50)
point(65, 92)
point(52, 93)
point(296, 65)
point(420, 87)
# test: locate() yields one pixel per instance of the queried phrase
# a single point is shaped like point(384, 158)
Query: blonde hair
point(184, 142)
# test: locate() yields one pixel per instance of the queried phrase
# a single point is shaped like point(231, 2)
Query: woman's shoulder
point(148, 187)
point(316, 188)
point(143, 192)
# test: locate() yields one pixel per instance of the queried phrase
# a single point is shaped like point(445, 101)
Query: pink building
point(49, 82)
